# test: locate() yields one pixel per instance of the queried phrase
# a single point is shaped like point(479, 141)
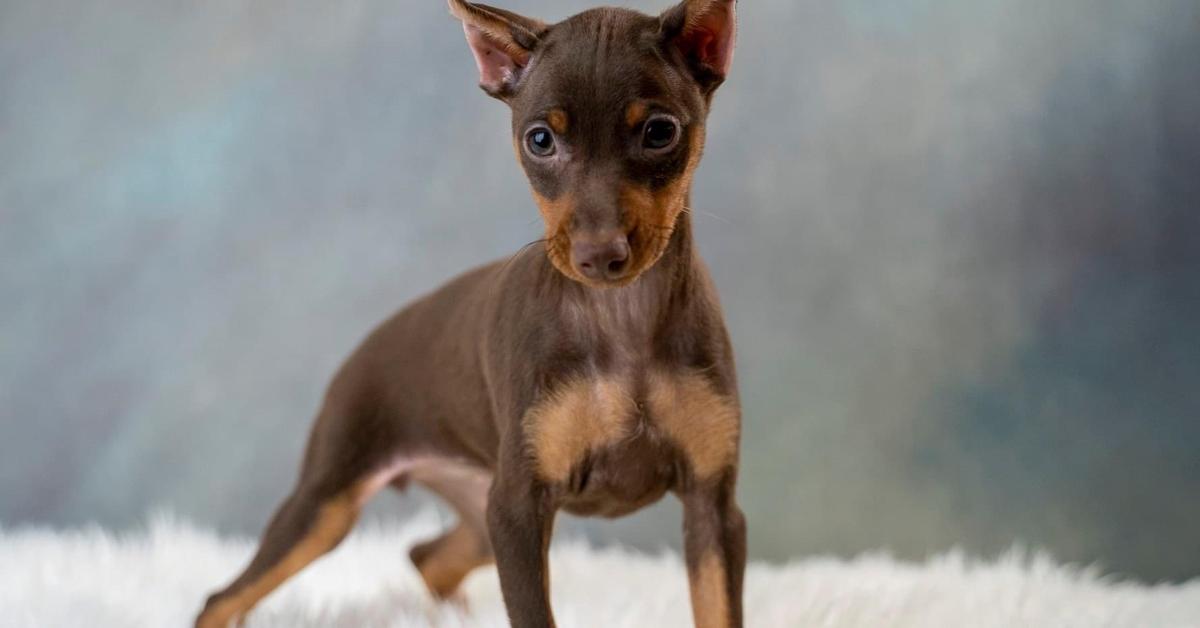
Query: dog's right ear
point(501, 41)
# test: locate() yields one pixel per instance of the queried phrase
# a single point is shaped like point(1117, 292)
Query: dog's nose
point(599, 260)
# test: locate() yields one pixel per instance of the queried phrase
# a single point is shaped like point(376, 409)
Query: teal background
point(958, 245)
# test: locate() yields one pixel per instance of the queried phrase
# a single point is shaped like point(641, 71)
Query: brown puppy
point(591, 373)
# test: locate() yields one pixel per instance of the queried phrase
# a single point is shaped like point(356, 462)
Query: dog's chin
point(608, 284)
point(565, 269)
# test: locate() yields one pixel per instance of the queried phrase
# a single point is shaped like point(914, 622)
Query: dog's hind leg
point(305, 527)
point(337, 480)
point(445, 561)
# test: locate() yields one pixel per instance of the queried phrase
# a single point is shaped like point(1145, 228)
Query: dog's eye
point(660, 134)
point(540, 142)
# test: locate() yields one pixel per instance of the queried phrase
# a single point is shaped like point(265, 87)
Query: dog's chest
point(614, 443)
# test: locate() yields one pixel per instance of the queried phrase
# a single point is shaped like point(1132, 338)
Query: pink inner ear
point(496, 65)
point(710, 37)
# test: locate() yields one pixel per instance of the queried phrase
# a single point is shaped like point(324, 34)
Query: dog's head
point(608, 112)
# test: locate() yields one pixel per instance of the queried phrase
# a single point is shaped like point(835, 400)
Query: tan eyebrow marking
point(558, 120)
point(635, 113)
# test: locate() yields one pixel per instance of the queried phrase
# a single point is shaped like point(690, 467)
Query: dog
point(591, 372)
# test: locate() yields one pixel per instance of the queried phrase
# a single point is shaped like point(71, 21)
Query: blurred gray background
point(958, 245)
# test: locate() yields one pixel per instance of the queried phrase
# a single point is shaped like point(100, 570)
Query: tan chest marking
point(589, 414)
point(699, 420)
point(577, 418)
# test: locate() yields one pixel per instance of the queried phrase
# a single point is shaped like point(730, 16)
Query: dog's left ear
point(704, 31)
point(501, 42)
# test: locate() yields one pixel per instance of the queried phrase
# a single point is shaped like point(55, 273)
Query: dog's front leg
point(714, 535)
point(520, 518)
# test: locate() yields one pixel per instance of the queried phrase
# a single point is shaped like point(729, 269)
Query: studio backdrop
point(958, 246)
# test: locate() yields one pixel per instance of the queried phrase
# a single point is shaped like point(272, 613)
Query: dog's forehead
point(605, 30)
point(595, 62)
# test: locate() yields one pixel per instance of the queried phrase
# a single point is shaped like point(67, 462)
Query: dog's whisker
point(522, 250)
point(693, 212)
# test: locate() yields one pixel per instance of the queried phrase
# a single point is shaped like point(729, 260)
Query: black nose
point(601, 259)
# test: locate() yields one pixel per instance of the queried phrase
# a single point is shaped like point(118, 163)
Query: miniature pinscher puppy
point(591, 372)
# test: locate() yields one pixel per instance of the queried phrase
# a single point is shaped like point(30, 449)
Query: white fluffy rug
point(158, 578)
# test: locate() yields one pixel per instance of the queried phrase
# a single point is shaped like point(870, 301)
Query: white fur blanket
point(159, 576)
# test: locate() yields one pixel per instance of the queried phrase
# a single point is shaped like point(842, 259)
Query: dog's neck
point(629, 318)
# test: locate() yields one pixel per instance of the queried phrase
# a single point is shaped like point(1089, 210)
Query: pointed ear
point(704, 31)
point(501, 42)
